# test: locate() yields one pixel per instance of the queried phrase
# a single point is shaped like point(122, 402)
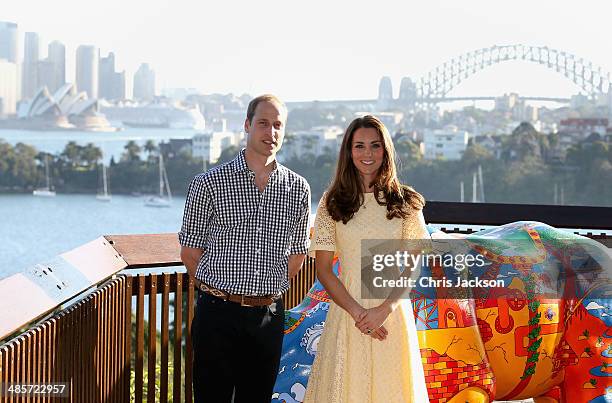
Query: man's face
point(267, 129)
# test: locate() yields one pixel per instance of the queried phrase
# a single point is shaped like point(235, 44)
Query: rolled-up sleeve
point(197, 215)
point(300, 241)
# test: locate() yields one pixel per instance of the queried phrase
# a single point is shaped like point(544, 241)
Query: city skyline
point(218, 49)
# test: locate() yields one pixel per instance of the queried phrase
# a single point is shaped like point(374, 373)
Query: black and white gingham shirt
point(246, 235)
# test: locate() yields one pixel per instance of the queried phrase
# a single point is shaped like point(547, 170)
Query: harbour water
point(35, 229)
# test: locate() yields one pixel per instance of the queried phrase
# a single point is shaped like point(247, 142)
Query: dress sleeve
point(324, 237)
point(414, 226)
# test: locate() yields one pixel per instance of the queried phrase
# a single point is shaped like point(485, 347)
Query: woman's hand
point(357, 313)
point(374, 318)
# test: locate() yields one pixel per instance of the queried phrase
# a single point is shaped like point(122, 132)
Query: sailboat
point(46, 191)
point(105, 196)
point(164, 187)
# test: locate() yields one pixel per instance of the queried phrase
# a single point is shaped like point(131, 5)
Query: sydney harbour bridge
point(435, 86)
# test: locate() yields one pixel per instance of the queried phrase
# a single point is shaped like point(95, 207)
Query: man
point(244, 234)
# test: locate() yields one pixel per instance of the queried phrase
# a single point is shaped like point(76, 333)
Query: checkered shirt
point(246, 235)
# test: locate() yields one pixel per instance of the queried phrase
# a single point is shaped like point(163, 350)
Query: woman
point(369, 350)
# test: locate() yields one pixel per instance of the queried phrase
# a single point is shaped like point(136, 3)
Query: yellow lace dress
point(351, 367)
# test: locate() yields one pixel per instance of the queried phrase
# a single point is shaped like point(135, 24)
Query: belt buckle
point(242, 301)
point(214, 292)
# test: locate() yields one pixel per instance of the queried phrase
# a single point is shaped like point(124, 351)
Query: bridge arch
point(436, 84)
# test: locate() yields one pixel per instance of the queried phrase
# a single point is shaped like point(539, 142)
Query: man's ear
point(247, 125)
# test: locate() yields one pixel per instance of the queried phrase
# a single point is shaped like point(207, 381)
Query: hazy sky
point(321, 49)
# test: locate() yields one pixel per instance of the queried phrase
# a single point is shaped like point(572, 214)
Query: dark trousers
point(236, 350)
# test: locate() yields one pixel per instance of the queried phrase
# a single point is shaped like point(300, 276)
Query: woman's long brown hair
point(345, 195)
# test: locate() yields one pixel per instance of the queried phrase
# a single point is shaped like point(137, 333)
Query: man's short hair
point(263, 98)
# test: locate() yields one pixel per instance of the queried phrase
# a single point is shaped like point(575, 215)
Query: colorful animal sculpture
point(543, 333)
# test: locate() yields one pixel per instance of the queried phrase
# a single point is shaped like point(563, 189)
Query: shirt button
point(257, 272)
point(258, 229)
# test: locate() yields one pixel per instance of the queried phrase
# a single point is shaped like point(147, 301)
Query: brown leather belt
point(243, 300)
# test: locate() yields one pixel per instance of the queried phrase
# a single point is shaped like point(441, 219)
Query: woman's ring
point(369, 331)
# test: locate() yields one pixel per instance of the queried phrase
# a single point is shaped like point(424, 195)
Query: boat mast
point(47, 171)
point(161, 175)
point(167, 184)
point(104, 181)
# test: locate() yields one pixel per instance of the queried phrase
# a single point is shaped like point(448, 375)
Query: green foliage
point(145, 385)
point(521, 175)
point(318, 170)
point(305, 118)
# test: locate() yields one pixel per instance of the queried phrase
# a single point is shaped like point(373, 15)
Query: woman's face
point(367, 152)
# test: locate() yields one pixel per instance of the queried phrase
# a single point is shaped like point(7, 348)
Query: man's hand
point(191, 258)
point(295, 264)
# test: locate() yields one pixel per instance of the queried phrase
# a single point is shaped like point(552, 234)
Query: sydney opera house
point(64, 109)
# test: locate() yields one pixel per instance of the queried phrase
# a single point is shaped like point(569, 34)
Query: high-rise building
point(111, 84)
point(31, 57)
point(9, 40)
point(144, 83)
point(87, 70)
point(46, 75)
point(9, 83)
point(610, 102)
point(57, 56)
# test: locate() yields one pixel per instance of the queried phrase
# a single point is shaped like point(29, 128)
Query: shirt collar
point(239, 165)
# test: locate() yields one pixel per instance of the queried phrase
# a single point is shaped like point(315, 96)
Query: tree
point(132, 152)
point(407, 151)
point(90, 155)
point(150, 148)
point(228, 154)
point(72, 154)
point(474, 155)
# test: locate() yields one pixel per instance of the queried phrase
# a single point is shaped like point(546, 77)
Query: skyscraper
point(57, 56)
point(144, 83)
point(9, 41)
point(87, 70)
point(9, 82)
point(45, 72)
point(111, 84)
point(31, 57)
